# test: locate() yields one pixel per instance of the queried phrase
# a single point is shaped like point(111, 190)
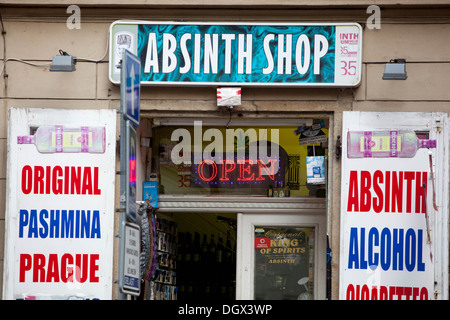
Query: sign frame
point(124, 35)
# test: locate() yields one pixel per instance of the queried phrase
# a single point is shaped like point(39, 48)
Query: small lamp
point(64, 62)
point(395, 69)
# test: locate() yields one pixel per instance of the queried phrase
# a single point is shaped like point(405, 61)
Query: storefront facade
point(176, 107)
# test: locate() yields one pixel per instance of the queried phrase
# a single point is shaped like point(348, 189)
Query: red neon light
point(269, 171)
point(245, 167)
point(226, 169)
point(247, 170)
point(132, 167)
point(214, 171)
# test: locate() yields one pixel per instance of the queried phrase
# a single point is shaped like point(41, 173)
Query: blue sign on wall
point(242, 54)
point(131, 81)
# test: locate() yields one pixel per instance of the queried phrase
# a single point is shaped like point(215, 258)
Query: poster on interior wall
point(315, 170)
point(59, 223)
point(388, 213)
point(240, 54)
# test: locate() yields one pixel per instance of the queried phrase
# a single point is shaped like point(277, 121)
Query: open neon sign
point(243, 173)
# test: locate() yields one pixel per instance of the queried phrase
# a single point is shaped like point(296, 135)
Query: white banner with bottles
point(394, 206)
point(59, 221)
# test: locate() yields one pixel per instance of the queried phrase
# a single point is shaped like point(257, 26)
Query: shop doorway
point(295, 230)
point(206, 255)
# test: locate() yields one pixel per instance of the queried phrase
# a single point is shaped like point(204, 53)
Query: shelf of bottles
point(205, 270)
point(164, 284)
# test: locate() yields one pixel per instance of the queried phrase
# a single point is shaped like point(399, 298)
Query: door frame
point(246, 253)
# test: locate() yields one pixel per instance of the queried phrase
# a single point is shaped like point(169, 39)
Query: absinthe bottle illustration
point(62, 139)
point(385, 144)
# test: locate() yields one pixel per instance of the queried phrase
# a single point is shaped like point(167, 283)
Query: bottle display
point(60, 139)
point(385, 144)
point(164, 280)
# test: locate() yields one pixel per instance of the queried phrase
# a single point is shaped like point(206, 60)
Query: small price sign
point(262, 243)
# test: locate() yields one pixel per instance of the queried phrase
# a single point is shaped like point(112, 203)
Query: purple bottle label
point(84, 139)
point(25, 139)
point(367, 144)
point(393, 152)
point(58, 139)
point(428, 143)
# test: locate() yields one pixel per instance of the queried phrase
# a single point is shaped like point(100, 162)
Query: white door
point(281, 256)
point(394, 206)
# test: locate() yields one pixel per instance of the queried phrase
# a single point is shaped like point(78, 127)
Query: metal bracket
point(438, 124)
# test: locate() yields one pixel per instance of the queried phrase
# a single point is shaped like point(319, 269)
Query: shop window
point(272, 161)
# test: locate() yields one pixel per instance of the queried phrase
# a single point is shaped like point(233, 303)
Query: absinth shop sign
point(232, 54)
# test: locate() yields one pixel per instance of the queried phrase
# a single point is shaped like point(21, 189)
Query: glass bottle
point(196, 249)
point(204, 250)
point(281, 192)
point(56, 139)
point(212, 249)
point(219, 249)
point(270, 191)
point(385, 144)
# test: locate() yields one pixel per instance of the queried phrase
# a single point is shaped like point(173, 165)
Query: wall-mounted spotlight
point(395, 69)
point(64, 62)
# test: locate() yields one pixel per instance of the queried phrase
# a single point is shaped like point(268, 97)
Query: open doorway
point(196, 256)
